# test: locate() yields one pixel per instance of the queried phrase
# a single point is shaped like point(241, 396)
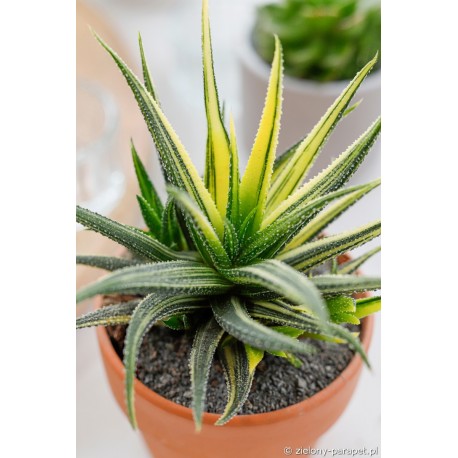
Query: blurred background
point(325, 42)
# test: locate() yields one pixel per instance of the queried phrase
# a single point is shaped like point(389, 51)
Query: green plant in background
point(323, 40)
point(233, 259)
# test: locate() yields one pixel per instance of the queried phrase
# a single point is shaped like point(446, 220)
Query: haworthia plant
point(232, 258)
point(324, 40)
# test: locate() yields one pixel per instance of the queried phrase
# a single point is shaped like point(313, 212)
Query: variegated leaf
point(367, 306)
point(233, 317)
point(175, 161)
point(267, 242)
point(130, 237)
point(205, 237)
point(345, 284)
point(173, 233)
point(279, 312)
point(108, 316)
point(354, 264)
point(239, 363)
point(283, 280)
point(233, 203)
point(147, 79)
point(286, 315)
point(327, 216)
point(218, 159)
point(152, 309)
point(203, 349)
point(187, 277)
point(256, 179)
point(294, 171)
point(332, 178)
point(106, 262)
point(314, 253)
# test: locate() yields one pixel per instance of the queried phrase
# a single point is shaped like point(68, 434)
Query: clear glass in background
point(99, 177)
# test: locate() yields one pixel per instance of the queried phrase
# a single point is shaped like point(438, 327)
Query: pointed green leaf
point(340, 332)
point(177, 166)
point(281, 313)
point(367, 306)
point(179, 276)
point(150, 217)
point(314, 253)
point(292, 332)
point(286, 315)
point(239, 377)
point(172, 233)
point(299, 164)
point(148, 80)
point(106, 262)
point(178, 322)
point(267, 242)
point(152, 309)
point(205, 237)
point(282, 280)
point(256, 179)
point(108, 316)
point(333, 177)
point(282, 160)
point(147, 189)
point(326, 217)
point(130, 237)
point(218, 160)
point(345, 284)
point(354, 264)
point(231, 240)
point(233, 317)
point(204, 346)
point(342, 309)
point(233, 203)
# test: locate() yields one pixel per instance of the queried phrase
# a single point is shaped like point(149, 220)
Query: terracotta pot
point(168, 428)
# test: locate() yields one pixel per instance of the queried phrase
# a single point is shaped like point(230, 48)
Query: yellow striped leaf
point(326, 217)
point(203, 349)
point(178, 276)
point(368, 306)
point(175, 161)
point(218, 160)
point(294, 171)
point(206, 239)
point(331, 178)
point(314, 253)
point(152, 309)
point(148, 80)
point(256, 179)
point(239, 363)
point(233, 204)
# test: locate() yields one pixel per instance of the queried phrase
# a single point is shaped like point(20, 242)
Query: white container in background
point(304, 103)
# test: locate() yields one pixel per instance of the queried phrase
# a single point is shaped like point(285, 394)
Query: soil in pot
point(163, 367)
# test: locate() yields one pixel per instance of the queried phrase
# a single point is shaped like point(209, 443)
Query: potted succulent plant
point(230, 275)
point(325, 42)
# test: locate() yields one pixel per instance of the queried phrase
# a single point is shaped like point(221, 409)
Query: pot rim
point(299, 408)
point(254, 62)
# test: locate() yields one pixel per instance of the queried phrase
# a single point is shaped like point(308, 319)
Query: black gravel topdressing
point(163, 367)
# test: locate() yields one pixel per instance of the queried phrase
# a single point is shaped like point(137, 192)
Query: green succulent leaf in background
point(323, 40)
point(231, 257)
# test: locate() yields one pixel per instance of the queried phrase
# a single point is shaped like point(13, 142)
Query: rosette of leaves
point(323, 40)
point(233, 259)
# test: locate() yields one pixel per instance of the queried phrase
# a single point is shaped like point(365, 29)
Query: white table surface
point(102, 429)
